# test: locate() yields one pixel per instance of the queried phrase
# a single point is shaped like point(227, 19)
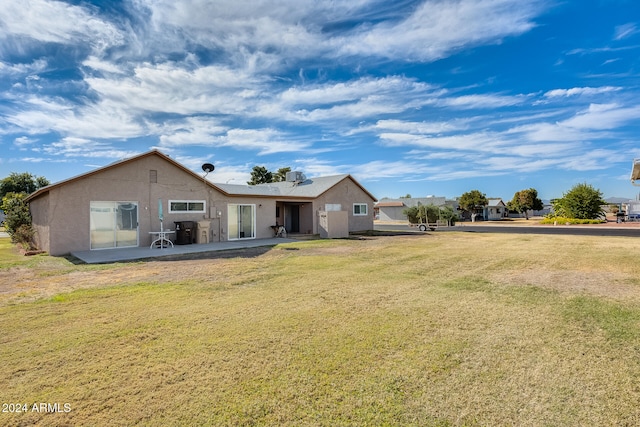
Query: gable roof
point(310, 188)
point(495, 202)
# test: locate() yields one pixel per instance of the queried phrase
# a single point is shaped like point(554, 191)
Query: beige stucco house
point(118, 206)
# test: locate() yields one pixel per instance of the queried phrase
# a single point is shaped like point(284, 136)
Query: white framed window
point(333, 207)
point(360, 209)
point(187, 206)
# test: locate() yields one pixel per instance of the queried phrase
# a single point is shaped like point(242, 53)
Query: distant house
point(118, 206)
point(547, 207)
point(495, 210)
point(392, 209)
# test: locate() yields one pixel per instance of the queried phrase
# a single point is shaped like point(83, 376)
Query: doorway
point(292, 218)
point(113, 225)
point(242, 222)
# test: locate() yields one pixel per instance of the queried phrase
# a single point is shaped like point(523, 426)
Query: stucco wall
point(40, 213)
point(392, 213)
point(346, 193)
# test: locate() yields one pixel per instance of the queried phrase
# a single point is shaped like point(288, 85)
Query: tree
point(281, 174)
point(525, 200)
point(581, 202)
point(260, 175)
point(21, 183)
point(472, 200)
point(448, 214)
point(16, 213)
point(429, 214)
point(13, 190)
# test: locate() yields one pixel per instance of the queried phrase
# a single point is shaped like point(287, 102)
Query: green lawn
point(440, 329)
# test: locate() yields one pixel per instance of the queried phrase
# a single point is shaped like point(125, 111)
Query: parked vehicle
point(423, 226)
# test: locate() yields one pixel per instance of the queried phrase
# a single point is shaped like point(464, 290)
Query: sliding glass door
point(113, 225)
point(242, 221)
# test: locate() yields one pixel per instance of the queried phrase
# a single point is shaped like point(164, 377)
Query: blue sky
point(419, 97)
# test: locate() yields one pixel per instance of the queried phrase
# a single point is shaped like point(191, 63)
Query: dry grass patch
point(440, 329)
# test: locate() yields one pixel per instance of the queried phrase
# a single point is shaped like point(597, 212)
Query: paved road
point(576, 230)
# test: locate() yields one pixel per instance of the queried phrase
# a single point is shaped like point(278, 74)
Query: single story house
point(392, 209)
point(495, 210)
point(120, 205)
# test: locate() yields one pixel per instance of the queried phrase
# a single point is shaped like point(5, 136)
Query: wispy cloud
point(625, 31)
point(577, 91)
point(436, 29)
point(54, 22)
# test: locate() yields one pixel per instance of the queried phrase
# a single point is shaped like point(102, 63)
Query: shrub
point(16, 212)
point(24, 236)
point(582, 202)
point(564, 220)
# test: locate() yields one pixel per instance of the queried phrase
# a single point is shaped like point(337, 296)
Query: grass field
point(441, 329)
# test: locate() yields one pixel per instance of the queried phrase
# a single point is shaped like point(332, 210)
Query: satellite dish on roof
point(208, 167)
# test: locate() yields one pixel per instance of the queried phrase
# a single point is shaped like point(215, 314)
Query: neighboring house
point(118, 206)
point(546, 209)
point(632, 210)
point(392, 209)
point(495, 210)
point(2, 217)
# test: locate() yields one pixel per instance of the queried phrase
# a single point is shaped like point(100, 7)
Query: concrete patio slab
point(103, 256)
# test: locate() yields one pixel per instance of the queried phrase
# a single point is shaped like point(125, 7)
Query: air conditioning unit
point(295, 176)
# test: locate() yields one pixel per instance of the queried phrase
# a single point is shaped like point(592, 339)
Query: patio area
point(131, 254)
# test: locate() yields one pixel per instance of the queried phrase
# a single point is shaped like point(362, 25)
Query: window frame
point(187, 202)
point(366, 209)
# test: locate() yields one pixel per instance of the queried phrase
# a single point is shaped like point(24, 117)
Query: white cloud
point(357, 99)
point(424, 128)
point(265, 141)
point(102, 120)
point(82, 147)
point(591, 160)
point(338, 92)
point(602, 117)
point(207, 131)
point(482, 101)
point(576, 91)
point(546, 132)
point(56, 22)
point(23, 141)
point(36, 66)
point(625, 31)
point(172, 88)
point(436, 28)
point(192, 131)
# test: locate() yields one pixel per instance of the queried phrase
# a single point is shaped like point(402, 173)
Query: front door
point(292, 218)
point(242, 221)
point(113, 225)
